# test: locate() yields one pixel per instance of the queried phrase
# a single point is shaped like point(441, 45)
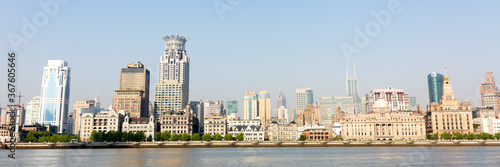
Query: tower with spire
point(352, 87)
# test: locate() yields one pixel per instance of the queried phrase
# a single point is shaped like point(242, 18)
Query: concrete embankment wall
point(198, 144)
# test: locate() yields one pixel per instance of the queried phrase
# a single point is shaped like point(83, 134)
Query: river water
point(259, 156)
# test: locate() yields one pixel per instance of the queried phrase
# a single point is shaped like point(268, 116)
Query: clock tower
point(448, 101)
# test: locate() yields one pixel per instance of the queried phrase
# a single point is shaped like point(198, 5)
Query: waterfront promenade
point(203, 144)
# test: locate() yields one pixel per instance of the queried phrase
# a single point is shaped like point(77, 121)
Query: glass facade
point(231, 107)
point(435, 81)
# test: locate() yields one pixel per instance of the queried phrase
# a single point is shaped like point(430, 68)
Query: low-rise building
point(282, 131)
point(336, 129)
point(104, 121)
point(4, 133)
point(317, 134)
point(488, 125)
point(250, 128)
point(148, 126)
point(484, 112)
point(215, 125)
point(177, 122)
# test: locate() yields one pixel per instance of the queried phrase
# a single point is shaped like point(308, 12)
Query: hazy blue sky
point(258, 45)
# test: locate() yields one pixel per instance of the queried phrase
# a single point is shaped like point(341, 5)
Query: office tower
point(346, 104)
point(304, 97)
point(363, 105)
point(435, 83)
point(396, 98)
point(55, 95)
point(413, 104)
point(326, 110)
point(352, 88)
point(283, 113)
point(281, 100)
point(250, 105)
point(264, 107)
point(81, 107)
point(198, 109)
point(170, 95)
point(174, 64)
point(231, 107)
point(133, 95)
point(213, 108)
point(490, 95)
point(32, 111)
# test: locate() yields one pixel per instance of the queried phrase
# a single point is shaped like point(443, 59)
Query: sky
point(240, 45)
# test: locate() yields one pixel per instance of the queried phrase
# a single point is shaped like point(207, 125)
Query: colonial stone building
point(178, 122)
point(215, 124)
point(383, 124)
point(448, 115)
point(250, 128)
point(104, 121)
point(148, 126)
point(282, 131)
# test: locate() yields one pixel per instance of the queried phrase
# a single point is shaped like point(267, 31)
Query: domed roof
point(381, 103)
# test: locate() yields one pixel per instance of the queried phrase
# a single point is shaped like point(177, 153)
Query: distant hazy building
point(339, 115)
point(148, 126)
point(264, 101)
point(490, 94)
point(413, 104)
point(134, 81)
point(215, 124)
point(198, 109)
point(346, 104)
point(104, 121)
point(326, 110)
point(308, 116)
point(397, 99)
point(174, 64)
point(363, 105)
point(281, 100)
point(231, 107)
point(435, 84)
point(304, 96)
point(169, 96)
point(55, 95)
point(32, 111)
point(84, 106)
point(283, 113)
point(212, 108)
point(250, 106)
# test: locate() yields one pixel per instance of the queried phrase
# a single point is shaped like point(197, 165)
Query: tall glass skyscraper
point(304, 96)
point(231, 107)
point(55, 95)
point(435, 81)
point(281, 100)
point(174, 64)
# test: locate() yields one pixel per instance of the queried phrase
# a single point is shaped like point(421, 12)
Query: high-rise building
point(490, 95)
point(231, 107)
point(170, 95)
point(435, 82)
point(346, 104)
point(363, 105)
point(250, 106)
point(304, 96)
point(413, 104)
point(283, 113)
point(281, 100)
point(55, 95)
point(326, 110)
point(352, 88)
point(134, 84)
point(32, 111)
point(81, 107)
point(198, 109)
point(174, 64)
point(264, 107)
point(396, 98)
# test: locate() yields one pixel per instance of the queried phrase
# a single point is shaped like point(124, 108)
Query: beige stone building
point(216, 124)
point(80, 107)
point(308, 116)
point(448, 115)
point(146, 125)
point(282, 131)
point(177, 122)
point(383, 124)
point(490, 94)
point(104, 121)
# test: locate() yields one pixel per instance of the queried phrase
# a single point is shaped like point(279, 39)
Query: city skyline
point(102, 63)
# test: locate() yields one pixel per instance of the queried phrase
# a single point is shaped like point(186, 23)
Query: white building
point(336, 130)
point(104, 121)
point(148, 126)
point(304, 97)
point(170, 95)
point(55, 95)
point(32, 111)
point(397, 99)
point(250, 128)
point(174, 64)
point(215, 125)
point(210, 108)
point(250, 106)
point(326, 108)
point(489, 125)
point(283, 113)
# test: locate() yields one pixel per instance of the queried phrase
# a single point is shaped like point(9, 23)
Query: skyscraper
point(231, 107)
point(304, 96)
point(435, 83)
point(326, 110)
point(174, 64)
point(133, 95)
point(490, 95)
point(55, 95)
point(170, 95)
point(32, 111)
point(281, 100)
point(352, 88)
point(250, 105)
point(283, 113)
point(413, 104)
point(264, 107)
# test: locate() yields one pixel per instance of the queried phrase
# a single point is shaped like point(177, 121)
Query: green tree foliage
point(158, 136)
point(446, 136)
point(196, 137)
point(93, 136)
point(185, 137)
point(240, 136)
point(228, 137)
point(174, 137)
point(470, 136)
point(302, 137)
point(497, 135)
point(37, 136)
point(150, 138)
point(337, 138)
point(140, 136)
point(458, 136)
point(206, 137)
point(485, 136)
point(165, 135)
point(217, 137)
